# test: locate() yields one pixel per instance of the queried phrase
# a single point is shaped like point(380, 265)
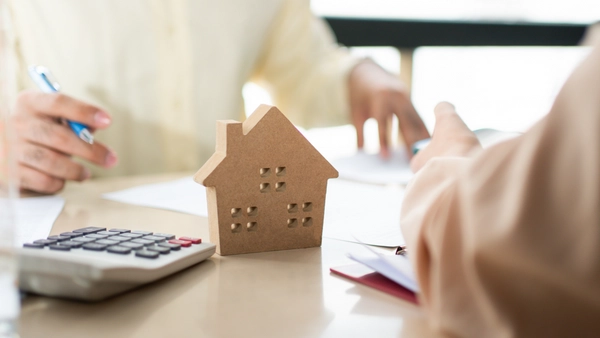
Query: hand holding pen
point(45, 146)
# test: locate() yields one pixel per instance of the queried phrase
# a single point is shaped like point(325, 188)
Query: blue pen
point(44, 80)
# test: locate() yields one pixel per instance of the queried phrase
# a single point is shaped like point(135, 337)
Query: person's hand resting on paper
point(44, 146)
point(375, 93)
point(451, 137)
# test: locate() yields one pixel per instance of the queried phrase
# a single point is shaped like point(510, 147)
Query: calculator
point(94, 263)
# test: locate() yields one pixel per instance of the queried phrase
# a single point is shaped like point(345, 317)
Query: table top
point(272, 294)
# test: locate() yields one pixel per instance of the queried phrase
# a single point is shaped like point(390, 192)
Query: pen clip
point(44, 79)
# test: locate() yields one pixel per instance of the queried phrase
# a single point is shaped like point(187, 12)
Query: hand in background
point(375, 93)
point(44, 146)
point(451, 137)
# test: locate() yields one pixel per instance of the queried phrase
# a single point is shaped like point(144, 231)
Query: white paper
point(183, 195)
point(371, 168)
point(368, 212)
point(35, 217)
point(394, 267)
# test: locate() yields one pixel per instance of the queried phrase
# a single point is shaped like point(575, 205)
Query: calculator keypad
point(145, 244)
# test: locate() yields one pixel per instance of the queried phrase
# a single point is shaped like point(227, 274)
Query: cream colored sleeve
point(507, 244)
point(304, 69)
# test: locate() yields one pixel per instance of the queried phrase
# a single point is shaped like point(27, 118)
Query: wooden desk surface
point(273, 294)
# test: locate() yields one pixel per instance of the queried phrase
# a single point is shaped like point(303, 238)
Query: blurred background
point(506, 87)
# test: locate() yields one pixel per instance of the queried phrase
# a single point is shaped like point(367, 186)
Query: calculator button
point(96, 236)
point(146, 254)
point(118, 249)
point(118, 238)
point(191, 239)
point(134, 246)
point(120, 230)
point(145, 233)
point(166, 236)
point(45, 241)
point(129, 235)
point(159, 249)
point(143, 241)
point(171, 246)
point(71, 234)
point(59, 238)
point(33, 245)
point(71, 244)
point(94, 246)
point(83, 239)
point(184, 244)
point(109, 233)
point(59, 247)
point(107, 242)
point(156, 239)
point(89, 230)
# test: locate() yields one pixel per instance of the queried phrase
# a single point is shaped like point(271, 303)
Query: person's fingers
point(59, 137)
point(62, 106)
point(51, 162)
point(34, 180)
point(412, 128)
point(358, 121)
point(378, 110)
point(444, 107)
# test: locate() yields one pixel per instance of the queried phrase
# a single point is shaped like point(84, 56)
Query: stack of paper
point(399, 276)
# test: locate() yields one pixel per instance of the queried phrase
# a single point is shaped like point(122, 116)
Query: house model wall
point(266, 186)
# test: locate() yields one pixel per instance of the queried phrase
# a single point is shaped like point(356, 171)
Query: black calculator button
point(166, 236)
point(143, 241)
point(130, 236)
point(71, 234)
point(159, 249)
point(109, 233)
point(96, 236)
point(83, 239)
point(156, 239)
point(59, 238)
point(34, 245)
point(118, 238)
point(147, 254)
point(134, 246)
point(89, 230)
point(145, 233)
point(118, 249)
point(120, 230)
point(71, 244)
point(94, 246)
point(170, 246)
point(59, 247)
point(45, 241)
point(107, 242)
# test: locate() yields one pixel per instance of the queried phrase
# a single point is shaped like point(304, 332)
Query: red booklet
point(364, 275)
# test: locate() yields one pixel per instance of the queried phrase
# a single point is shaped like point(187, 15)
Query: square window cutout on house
point(292, 222)
point(280, 171)
point(307, 206)
point(280, 186)
point(236, 212)
point(307, 221)
point(265, 172)
point(251, 226)
point(252, 211)
point(236, 227)
point(292, 207)
point(265, 187)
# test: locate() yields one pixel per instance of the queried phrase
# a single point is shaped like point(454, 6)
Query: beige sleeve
point(508, 243)
point(304, 69)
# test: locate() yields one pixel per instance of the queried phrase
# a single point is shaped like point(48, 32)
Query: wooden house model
point(266, 186)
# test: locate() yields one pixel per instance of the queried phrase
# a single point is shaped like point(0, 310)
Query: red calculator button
point(191, 239)
point(184, 244)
